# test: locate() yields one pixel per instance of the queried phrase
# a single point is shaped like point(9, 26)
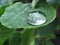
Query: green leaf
point(47, 31)
point(49, 43)
point(34, 2)
point(15, 39)
point(2, 9)
point(15, 16)
point(5, 33)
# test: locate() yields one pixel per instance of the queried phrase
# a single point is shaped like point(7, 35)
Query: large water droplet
point(36, 18)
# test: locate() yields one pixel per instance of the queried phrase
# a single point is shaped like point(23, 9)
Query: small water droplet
point(36, 18)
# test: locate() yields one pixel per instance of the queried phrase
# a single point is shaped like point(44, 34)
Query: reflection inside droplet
point(36, 18)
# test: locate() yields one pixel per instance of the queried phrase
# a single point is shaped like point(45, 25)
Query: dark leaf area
point(58, 15)
point(15, 39)
point(48, 31)
point(5, 33)
point(6, 42)
point(56, 41)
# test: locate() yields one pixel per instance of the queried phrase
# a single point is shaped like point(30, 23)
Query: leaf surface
point(15, 16)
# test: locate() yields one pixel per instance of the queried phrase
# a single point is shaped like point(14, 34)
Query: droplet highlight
point(36, 18)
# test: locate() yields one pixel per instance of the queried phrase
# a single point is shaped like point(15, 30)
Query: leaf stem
point(27, 37)
point(34, 2)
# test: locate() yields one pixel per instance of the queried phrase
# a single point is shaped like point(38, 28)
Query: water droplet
point(36, 18)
